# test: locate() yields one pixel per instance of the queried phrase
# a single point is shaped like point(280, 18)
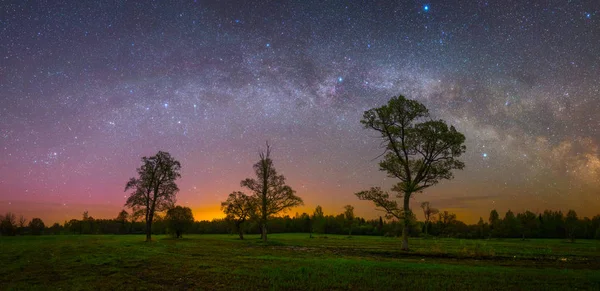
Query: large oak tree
point(154, 189)
point(419, 152)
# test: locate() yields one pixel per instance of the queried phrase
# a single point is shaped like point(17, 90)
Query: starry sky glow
point(87, 88)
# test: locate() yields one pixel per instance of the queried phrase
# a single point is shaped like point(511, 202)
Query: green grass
point(294, 262)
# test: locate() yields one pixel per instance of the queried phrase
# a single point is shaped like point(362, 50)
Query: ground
point(294, 262)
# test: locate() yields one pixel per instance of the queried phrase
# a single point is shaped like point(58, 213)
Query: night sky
point(87, 89)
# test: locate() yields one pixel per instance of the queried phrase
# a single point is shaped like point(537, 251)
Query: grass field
point(294, 262)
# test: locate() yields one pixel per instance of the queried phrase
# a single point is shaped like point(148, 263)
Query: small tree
point(349, 217)
point(318, 220)
point(238, 207)
point(269, 190)
point(494, 221)
point(22, 225)
point(419, 152)
point(122, 218)
point(36, 226)
point(571, 222)
point(528, 223)
point(179, 219)
point(154, 189)
point(428, 211)
point(8, 224)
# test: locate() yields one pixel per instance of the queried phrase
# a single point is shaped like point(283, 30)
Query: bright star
point(166, 105)
point(485, 155)
point(268, 45)
point(340, 79)
point(426, 7)
point(588, 15)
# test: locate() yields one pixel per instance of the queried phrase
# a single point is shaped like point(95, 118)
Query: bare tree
point(22, 224)
point(428, 211)
point(419, 152)
point(238, 208)
point(154, 189)
point(269, 190)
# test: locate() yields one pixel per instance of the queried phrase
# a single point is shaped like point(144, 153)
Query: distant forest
point(548, 224)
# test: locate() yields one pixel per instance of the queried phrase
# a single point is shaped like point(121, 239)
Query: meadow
point(294, 262)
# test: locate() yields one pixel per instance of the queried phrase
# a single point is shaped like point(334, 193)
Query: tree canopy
point(179, 220)
point(269, 190)
point(419, 152)
point(154, 189)
point(238, 207)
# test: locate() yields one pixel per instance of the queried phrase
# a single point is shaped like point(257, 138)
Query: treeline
point(548, 224)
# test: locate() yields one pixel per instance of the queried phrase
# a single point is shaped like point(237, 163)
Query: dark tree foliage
point(22, 225)
point(544, 225)
point(528, 223)
point(269, 190)
point(36, 226)
point(571, 225)
point(494, 221)
point(419, 152)
point(154, 189)
point(238, 207)
point(349, 216)
point(179, 220)
point(318, 221)
point(122, 218)
point(8, 224)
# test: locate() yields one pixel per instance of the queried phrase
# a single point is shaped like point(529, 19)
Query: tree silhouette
point(179, 219)
point(22, 224)
point(419, 152)
point(122, 218)
point(154, 189)
point(494, 221)
point(238, 208)
point(36, 226)
point(8, 224)
point(318, 220)
point(571, 222)
point(428, 211)
point(528, 223)
point(269, 190)
point(349, 217)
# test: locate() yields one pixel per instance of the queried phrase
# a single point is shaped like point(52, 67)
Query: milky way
point(87, 89)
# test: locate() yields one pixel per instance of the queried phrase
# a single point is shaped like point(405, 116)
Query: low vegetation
point(294, 262)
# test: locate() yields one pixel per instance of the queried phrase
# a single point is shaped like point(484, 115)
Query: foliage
point(269, 190)
point(36, 226)
point(419, 152)
point(179, 220)
point(238, 207)
point(154, 189)
point(349, 216)
point(8, 224)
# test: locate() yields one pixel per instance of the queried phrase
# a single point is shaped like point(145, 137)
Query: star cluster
point(86, 89)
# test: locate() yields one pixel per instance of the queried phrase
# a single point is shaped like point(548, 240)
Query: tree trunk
point(149, 229)
point(241, 233)
point(406, 221)
point(264, 232)
point(426, 228)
